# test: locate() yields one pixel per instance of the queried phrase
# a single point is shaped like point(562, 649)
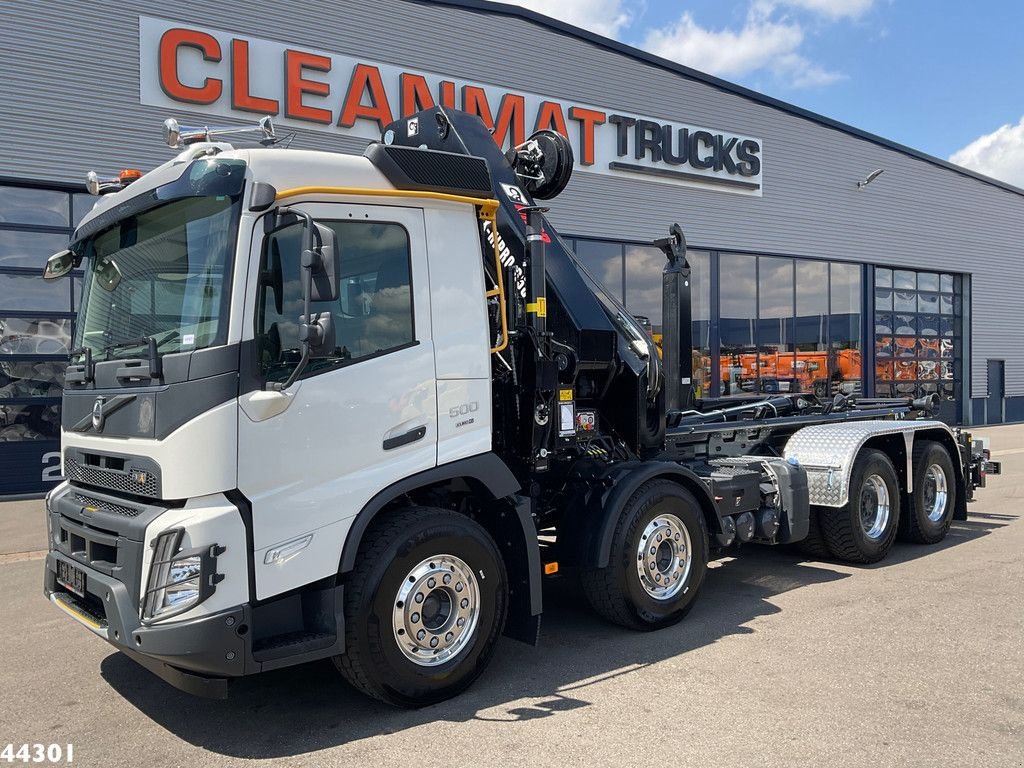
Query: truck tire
point(424, 607)
point(813, 545)
point(658, 560)
point(934, 498)
point(863, 531)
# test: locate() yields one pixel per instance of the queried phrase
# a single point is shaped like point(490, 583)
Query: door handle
point(405, 438)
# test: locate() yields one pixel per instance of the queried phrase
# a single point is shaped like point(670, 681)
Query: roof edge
point(487, 6)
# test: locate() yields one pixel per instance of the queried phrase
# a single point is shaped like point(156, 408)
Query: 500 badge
point(463, 412)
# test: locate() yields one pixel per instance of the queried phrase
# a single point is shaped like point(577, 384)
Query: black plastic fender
point(590, 526)
point(511, 526)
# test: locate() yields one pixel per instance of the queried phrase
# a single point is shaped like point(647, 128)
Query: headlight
point(179, 580)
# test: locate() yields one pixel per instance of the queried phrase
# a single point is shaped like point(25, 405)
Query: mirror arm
point(307, 287)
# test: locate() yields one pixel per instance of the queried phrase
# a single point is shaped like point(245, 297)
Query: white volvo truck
point(357, 407)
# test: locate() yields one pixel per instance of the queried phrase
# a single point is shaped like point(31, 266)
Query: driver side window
point(374, 311)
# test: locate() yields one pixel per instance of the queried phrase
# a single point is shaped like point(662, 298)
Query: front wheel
point(658, 560)
point(423, 607)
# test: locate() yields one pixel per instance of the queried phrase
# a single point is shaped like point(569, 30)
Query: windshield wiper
point(139, 342)
point(152, 368)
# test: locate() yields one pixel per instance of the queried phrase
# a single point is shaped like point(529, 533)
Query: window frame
point(319, 366)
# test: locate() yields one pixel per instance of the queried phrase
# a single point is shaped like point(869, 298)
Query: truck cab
point(193, 493)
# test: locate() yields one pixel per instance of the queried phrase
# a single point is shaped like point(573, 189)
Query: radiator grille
point(106, 506)
point(110, 478)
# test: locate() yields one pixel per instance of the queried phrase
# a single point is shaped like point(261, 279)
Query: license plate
point(71, 578)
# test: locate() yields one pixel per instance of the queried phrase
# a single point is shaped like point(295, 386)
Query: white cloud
point(605, 17)
point(832, 9)
point(762, 44)
point(999, 154)
point(769, 41)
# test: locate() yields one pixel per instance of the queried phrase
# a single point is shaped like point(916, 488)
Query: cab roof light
point(128, 175)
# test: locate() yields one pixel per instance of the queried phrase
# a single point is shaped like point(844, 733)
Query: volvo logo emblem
point(97, 414)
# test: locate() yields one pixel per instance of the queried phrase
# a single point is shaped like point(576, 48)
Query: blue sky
point(943, 77)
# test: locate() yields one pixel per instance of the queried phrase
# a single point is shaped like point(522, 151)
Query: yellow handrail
point(488, 203)
point(488, 209)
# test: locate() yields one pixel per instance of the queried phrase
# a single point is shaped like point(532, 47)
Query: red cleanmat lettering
point(170, 43)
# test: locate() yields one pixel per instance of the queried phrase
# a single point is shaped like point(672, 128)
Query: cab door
point(355, 422)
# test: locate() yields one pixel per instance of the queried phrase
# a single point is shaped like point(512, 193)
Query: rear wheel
point(658, 560)
point(423, 607)
point(934, 497)
point(863, 531)
point(813, 545)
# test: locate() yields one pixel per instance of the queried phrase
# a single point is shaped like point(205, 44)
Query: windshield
point(164, 273)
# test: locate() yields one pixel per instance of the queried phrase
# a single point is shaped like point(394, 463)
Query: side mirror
point(325, 262)
point(59, 265)
point(321, 271)
point(318, 333)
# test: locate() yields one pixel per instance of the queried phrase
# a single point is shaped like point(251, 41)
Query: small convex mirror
point(59, 265)
point(108, 275)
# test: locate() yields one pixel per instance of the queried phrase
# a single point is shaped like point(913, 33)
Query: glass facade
point(36, 328)
point(789, 325)
point(766, 324)
point(918, 335)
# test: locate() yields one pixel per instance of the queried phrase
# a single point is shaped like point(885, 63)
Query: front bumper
point(102, 535)
point(196, 656)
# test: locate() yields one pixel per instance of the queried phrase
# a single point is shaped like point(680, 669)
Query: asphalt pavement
point(783, 662)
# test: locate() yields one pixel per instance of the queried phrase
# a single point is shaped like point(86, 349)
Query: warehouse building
point(811, 270)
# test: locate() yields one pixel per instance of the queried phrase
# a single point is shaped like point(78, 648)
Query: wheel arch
point(596, 520)
point(488, 480)
point(828, 452)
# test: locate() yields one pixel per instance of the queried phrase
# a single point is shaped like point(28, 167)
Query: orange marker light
point(128, 175)
point(550, 568)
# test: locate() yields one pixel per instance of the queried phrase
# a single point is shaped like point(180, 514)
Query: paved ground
point(22, 528)
point(918, 661)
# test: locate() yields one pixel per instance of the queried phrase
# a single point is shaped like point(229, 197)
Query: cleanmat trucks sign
point(221, 73)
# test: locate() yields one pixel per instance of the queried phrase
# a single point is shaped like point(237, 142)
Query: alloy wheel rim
point(664, 557)
point(936, 492)
point(436, 610)
point(875, 507)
